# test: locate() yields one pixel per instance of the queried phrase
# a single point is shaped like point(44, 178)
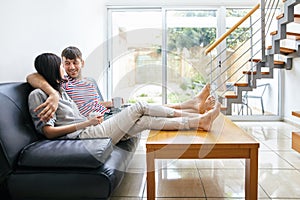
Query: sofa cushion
point(86, 153)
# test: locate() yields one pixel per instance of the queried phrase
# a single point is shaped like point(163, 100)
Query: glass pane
point(188, 35)
point(136, 55)
point(238, 45)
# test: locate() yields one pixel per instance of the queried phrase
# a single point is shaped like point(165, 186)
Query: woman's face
point(62, 71)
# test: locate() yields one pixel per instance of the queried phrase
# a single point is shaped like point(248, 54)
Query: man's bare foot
point(205, 121)
point(204, 93)
point(195, 103)
point(207, 105)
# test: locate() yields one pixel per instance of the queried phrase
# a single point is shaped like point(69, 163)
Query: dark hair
point(71, 53)
point(48, 65)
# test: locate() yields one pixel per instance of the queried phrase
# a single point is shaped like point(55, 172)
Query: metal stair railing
point(267, 16)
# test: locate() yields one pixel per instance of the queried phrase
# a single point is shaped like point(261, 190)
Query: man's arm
point(50, 105)
point(107, 104)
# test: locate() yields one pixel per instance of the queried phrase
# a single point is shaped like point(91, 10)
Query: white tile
point(291, 157)
point(176, 163)
point(271, 160)
point(179, 183)
point(220, 163)
point(133, 185)
point(280, 183)
point(225, 183)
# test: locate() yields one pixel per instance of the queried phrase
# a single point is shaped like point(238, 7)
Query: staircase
point(262, 68)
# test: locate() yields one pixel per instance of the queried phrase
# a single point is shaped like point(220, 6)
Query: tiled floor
point(279, 171)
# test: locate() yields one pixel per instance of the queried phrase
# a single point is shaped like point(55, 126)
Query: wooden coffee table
point(225, 140)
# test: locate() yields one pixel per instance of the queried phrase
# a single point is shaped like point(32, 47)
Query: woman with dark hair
point(67, 121)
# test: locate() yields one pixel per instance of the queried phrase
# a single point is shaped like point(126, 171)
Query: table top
point(224, 133)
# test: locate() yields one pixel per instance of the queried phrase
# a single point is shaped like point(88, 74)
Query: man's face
point(73, 67)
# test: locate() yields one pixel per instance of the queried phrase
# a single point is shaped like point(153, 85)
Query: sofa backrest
point(16, 126)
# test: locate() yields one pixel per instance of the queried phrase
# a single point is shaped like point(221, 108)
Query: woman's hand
point(96, 120)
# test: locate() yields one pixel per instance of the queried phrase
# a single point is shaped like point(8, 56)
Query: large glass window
point(158, 54)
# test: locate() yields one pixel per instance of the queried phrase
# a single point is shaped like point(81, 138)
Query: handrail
point(217, 42)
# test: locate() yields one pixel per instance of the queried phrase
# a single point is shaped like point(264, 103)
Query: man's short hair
point(71, 53)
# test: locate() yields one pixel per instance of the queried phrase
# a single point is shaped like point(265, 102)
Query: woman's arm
point(53, 132)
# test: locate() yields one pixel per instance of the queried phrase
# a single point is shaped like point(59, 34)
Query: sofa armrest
point(81, 153)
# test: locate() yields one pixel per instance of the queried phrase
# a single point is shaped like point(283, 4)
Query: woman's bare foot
point(209, 117)
point(205, 121)
point(207, 105)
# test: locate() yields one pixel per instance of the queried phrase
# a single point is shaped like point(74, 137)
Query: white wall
point(291, 97)
point(31, 27)
point(292, 92)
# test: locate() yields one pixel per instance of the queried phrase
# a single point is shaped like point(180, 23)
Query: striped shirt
point(85, 94)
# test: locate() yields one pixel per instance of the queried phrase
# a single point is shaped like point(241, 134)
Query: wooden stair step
point(276, 62)
point(296, 113)
point(293, 36)
point(284, 50)
point(280, 16)
point(255, 60)
point(230, 95)
point(223, 108)
point(241, 84)
point(289, 35)
point(254, 72)
point(296, 17)
point(273, 32)
point(296, 141)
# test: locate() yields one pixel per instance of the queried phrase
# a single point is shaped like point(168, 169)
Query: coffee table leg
point(150, 176)
point(251, 184)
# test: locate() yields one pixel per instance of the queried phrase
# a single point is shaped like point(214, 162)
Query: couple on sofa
point(60, 108)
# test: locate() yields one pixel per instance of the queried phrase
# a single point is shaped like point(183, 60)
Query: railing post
point(252, 54)
point(263, 31)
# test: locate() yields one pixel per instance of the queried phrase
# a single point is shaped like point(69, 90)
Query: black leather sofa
point(32, 167)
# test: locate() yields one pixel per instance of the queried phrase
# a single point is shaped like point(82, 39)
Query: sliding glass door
point(189, 32)
point(156, 55)
point(135, 54)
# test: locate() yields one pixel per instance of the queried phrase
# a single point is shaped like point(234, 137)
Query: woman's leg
point(201, 122)
point(125, 121)
point(120, 124)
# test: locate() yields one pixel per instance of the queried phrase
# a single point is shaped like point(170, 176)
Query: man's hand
point(49, 107)
point(107, 104)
